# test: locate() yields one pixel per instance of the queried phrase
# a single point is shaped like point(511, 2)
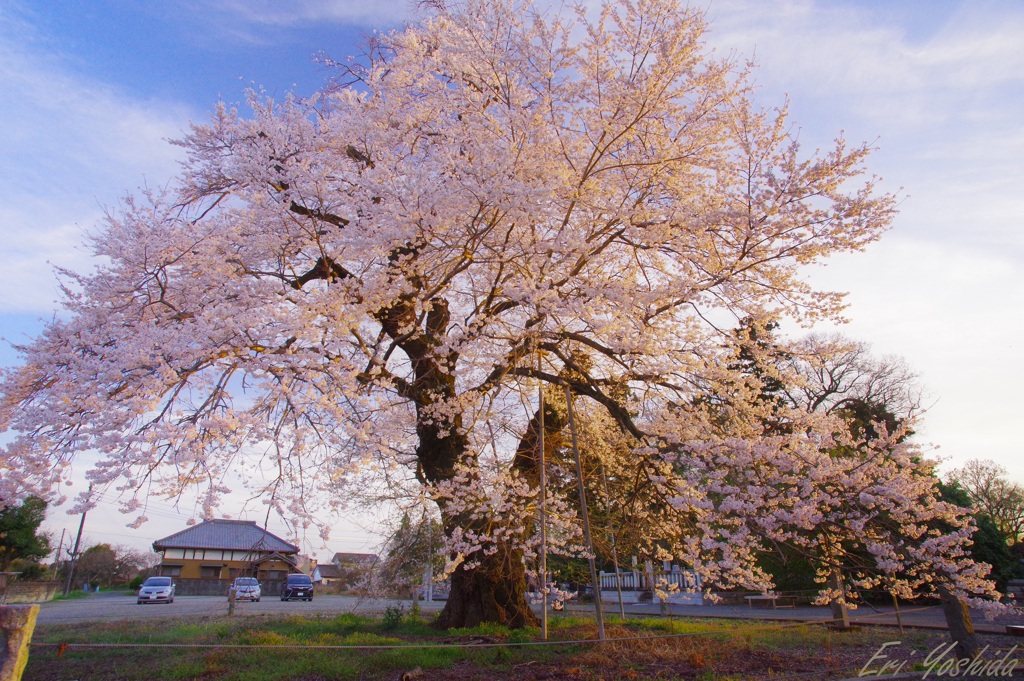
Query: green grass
point(72, 596)
point(313, 659)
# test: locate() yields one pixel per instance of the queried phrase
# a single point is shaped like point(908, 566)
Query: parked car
point(299, 587)
point(246, 589)
point(156, 590)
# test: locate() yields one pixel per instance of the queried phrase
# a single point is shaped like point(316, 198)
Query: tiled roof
point(329, 571)
point(354, 558)
point(236, 535)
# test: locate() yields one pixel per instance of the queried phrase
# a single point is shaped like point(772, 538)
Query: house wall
point(208, 566)
point(219, 587)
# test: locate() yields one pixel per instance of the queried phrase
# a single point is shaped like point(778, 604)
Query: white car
point(247, 589)
point(156, 590)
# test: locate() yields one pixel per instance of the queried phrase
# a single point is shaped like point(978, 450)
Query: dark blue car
point(298, 587)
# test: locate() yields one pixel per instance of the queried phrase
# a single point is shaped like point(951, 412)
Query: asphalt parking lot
point(117, 606)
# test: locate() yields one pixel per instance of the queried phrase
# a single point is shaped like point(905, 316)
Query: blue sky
point(91, 91)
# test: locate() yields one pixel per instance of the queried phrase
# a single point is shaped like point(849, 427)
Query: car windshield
point(157, 581)
point(298, 579)
point(246, 581)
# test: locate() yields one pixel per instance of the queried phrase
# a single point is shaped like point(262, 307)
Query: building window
point(170, 570)
point(210, 571)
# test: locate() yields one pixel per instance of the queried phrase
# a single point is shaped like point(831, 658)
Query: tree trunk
point(958, 619)
point(495, 591)
point(840, 613)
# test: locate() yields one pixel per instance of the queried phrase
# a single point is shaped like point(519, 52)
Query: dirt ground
point(703, 660)
point(806, 653)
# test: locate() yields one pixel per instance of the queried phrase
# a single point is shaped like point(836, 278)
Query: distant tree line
point(23, 547)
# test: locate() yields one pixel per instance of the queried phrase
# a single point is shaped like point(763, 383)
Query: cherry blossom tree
point(372, 283)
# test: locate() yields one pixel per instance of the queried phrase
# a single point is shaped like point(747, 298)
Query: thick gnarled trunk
point(494, 591)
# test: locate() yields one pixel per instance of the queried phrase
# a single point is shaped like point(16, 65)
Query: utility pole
point(60, 550)
point(74, 556)
point(74, 553)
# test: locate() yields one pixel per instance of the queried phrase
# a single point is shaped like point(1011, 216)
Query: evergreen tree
point(19, 532)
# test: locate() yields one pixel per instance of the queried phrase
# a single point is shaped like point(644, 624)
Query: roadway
point(113, 606)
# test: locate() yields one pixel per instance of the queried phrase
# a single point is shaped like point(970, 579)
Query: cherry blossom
point(371, 285)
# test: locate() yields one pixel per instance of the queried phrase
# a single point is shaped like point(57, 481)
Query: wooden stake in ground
point(583, 514)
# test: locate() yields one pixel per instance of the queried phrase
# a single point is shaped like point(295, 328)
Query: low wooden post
point(17, 622)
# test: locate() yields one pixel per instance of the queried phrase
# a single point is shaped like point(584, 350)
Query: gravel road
point(117, 606)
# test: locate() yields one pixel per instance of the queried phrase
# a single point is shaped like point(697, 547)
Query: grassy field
point(306, 649)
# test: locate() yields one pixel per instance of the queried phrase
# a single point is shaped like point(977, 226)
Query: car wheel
point(257, 600)
point(283, 599)
point(138, 602)
point(172, 600)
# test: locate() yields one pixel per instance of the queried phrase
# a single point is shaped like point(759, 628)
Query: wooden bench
point(773, 602)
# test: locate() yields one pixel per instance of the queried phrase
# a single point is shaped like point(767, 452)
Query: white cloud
point(70, 147)
point(952, 313)
point(856, 59)
point(307, 12)
point(941, 86)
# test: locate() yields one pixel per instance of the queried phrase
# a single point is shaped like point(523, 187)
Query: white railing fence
point(646, 578)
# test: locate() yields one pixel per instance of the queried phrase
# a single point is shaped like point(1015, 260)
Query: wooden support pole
point(599, 612)
point(615, 551)
point(542, 478)
point(896, 608)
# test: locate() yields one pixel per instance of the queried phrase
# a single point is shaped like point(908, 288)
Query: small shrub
point(393, 616)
